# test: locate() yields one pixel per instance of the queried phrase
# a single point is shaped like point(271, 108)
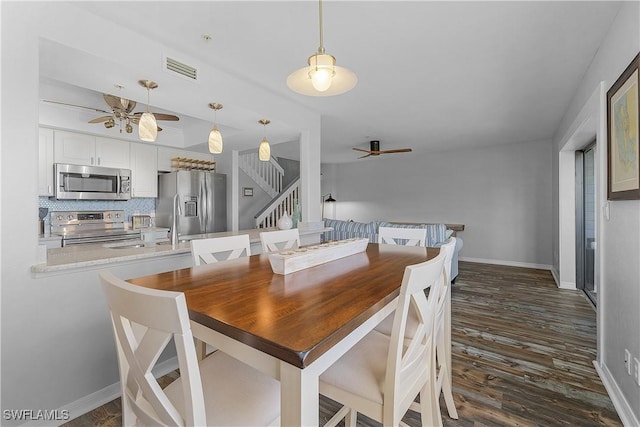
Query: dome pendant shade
point(147, 127)
point(322, 77)
point(215, 141)
point(343, 80)
point(264, 152)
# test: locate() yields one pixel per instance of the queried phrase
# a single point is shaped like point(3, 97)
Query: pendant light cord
point(321, 48)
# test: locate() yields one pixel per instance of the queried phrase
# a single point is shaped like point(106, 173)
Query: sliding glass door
point(586, 221)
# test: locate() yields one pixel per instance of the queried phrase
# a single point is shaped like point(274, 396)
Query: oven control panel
point(60, 218)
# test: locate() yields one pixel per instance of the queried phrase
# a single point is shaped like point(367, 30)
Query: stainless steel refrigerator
point(202, 200)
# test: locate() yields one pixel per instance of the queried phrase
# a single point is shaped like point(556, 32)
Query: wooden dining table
point(291, 327)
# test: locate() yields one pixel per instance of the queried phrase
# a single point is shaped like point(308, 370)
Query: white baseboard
point(567, 285)
point(509, 263)
point(625, 412)
point(94, 400)
point(556, 276)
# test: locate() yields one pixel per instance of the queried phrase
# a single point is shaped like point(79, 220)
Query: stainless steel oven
point(76, 182)
point(91, 227)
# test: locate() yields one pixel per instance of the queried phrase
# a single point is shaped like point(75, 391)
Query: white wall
point(57, 347)
point(502, 194)
point(619, 246)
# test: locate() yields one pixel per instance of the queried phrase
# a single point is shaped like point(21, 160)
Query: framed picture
point(247, 191)
point(623, 118)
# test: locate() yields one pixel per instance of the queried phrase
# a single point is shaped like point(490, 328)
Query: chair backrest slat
point(404, 236)
point(214, 249)
point(274, 241)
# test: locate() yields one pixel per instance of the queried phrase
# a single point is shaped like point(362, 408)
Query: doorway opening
point(586, 243)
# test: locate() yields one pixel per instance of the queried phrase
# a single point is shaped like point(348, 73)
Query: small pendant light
point(215, 137)
point(264, 152)
point(147, 125)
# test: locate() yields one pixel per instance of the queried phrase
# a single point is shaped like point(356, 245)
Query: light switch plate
point(627, 361)
point(636, 370)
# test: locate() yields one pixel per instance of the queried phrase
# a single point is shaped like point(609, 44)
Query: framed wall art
point(623, 136)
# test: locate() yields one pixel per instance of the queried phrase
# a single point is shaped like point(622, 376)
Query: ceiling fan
point(375, 150)
point(121, 113)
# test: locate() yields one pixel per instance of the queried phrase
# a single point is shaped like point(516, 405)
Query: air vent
point(182, 69)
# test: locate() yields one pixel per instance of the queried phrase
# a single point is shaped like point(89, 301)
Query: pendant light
point(215, 137)
point(147, 125)
point(264, 152)
point(322, 77)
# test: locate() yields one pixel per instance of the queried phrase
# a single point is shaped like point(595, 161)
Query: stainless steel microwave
point(76, 182)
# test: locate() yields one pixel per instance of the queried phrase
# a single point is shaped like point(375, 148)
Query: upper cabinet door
point(112, 153)
point(88, 150)
point(74, 148)
point(144, 170)
point(45, 162)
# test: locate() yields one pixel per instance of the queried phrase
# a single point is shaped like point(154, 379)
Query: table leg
point(299, 396)
point(201, 349)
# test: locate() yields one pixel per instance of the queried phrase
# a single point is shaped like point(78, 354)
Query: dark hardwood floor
point(523, 354)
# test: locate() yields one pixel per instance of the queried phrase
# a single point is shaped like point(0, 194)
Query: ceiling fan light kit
point(215, 137)
point(264, 151)
point(322, 77)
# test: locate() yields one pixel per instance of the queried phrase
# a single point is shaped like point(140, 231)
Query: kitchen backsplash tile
point(130, 207)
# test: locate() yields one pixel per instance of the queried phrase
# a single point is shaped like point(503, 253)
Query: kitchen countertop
point(73, 257)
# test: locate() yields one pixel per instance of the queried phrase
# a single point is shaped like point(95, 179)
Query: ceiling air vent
point(182, 69)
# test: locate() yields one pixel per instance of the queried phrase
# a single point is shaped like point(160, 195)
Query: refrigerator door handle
point(202, 205)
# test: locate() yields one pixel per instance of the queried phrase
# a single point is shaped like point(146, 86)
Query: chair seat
point(235, 394)
point(361, 371)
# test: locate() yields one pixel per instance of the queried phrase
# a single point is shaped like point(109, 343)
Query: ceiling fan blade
point(118, 103)
point(361, 149)
point(168, 117)
point(77, 106)
point(159, 129)
point(364, 156)
point(401, 150)
point(159, 116)
point(101, 119)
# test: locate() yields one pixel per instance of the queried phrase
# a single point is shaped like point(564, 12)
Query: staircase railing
point(285, 201)
point(267, 175)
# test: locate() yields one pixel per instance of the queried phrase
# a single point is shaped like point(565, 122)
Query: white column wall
point(57, 346)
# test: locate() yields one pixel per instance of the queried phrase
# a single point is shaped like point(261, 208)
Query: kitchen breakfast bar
point(59, 260)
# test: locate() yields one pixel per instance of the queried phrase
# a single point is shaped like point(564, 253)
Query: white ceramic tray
point(290, 261)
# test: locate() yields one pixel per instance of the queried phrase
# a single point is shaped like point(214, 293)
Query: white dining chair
point(404, 236)
point(220, 249)
point(219, 391)
point(273, 241)
point(442, 331)
point(382, 375)
point(442, 334)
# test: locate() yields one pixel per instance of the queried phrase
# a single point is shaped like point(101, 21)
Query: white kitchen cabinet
point(45, 162)
point(83, 149)
point(112, 153)
point(165, 154)
point(144, 170)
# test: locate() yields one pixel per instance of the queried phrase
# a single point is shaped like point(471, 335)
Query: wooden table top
point(296, 317)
